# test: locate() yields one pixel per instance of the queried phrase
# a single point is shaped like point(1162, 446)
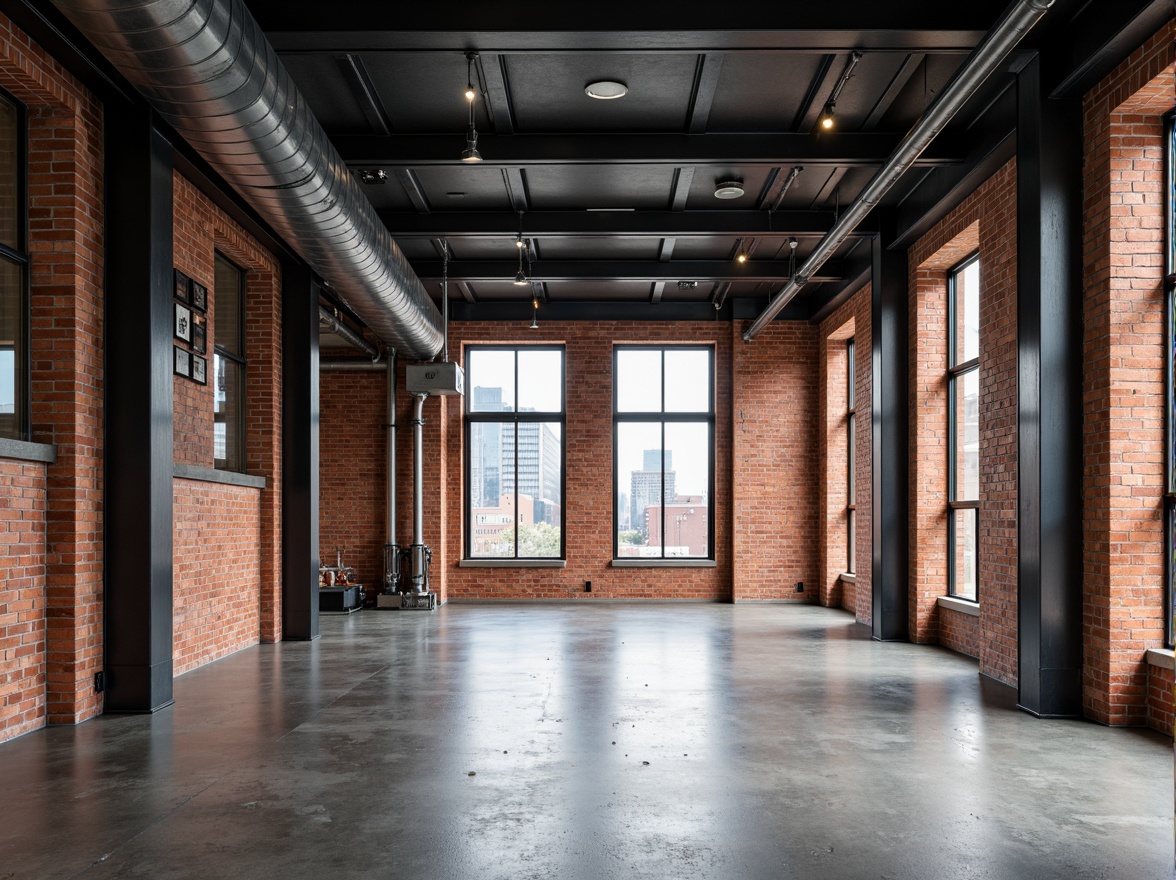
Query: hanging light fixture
point(740, 253)
point(534, 313)
point(521, 247)
point(826, 121)
point(470, 153)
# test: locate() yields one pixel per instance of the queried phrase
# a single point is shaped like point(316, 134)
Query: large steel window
point(514, 452)
point(963, 433)
point(1170, 387)
point(229, 366)
point(14, 274)
point(663, 452)
point(850, 460)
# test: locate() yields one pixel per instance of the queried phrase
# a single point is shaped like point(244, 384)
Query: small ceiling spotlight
point(373, 176)
point(535, 313)
point(826, 121)
point(740, 253)
point(729, 189)
point(606, 90)
point(470, 154)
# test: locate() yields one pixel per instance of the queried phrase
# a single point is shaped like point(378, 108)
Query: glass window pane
point(964, 553)
point(639, 489)
point(491, 374)
point(228, 293)
point(851, 461)
point(492, 503)
point(967, 312)
point(13, 360)
point(687, 381)
point(540, 381)
point(639, 380)
point(687, 481)
point(11, 207)
point(851, 542)
point(967, 439)
point(228, 406)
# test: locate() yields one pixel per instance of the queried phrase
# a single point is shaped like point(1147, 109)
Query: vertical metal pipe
point(390, 512)
point(418, 470)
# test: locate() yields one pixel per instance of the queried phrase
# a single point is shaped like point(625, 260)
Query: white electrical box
point(435, 379)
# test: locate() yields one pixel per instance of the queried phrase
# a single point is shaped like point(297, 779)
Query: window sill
point(22, 449)
point(961, 605)
point(1161, 657)
point(637, 562)
point(848, 578)
point(212, 475)
point(513, 563)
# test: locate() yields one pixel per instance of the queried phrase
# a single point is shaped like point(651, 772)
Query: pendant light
point(470, 154)
point(521, 246)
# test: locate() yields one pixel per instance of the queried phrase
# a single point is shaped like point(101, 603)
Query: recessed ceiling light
point(728, 189)
point(606, 90)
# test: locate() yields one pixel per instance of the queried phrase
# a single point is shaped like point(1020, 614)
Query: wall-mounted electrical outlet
point(800, 586)
point(587, 586)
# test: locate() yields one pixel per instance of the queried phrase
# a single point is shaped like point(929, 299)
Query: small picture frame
point(199, 369)
point(183, 329)
point(182, 282)
point(199, 296)
point(199, 339)
point(182, 362)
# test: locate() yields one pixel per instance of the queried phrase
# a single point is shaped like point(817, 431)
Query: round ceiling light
point(606, 90)
point(728, 189)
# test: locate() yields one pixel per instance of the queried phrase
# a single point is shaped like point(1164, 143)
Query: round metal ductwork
point(207, 68)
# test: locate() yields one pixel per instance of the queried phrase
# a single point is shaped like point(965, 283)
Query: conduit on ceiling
point(988, 55)
point(207, 68)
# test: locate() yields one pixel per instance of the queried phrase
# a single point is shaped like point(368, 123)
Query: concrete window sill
point(663, 563)
point(1161, 657)
point(212, 475)
point(513, 563)
point(848, 578)
point(25, 451)
point(961, 605)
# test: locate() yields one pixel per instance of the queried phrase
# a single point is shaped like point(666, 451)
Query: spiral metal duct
point(207, 68)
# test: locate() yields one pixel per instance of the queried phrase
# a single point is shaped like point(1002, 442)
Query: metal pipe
point(328, 320)
point(340, 366)
point(207, 68)
point(390, 511)
point(991, 52)
point(418, 470)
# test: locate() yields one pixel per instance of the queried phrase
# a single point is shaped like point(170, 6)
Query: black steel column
point(1049, 402)
point(890, 565)
point(300, 452)
point(138, 390)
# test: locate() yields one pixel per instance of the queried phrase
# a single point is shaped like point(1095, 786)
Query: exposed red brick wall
point(352, 472)
point(65, 245)
point(1160, 684)
point(986, 221)
point(959, 631)
point(850, 320)
point(1123, 381)
point(200, 231)
point(23, 661)
point(775, 466)
point(216, 589)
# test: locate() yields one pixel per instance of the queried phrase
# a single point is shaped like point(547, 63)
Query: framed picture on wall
point(199, 340)
point(199, 369)
point(199, 296)
point(183, 362)
point(183, 323)
point(182, 282)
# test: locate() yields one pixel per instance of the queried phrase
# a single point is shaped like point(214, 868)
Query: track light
point(740, 253)
point(826, 121)
point(520, 246)
point(535, 313)
point(470, 154)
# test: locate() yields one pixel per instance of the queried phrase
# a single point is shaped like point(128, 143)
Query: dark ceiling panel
point(481, 249)
point(760, 91)
point(386, 196)
point(634, 291)
point(501, 291)
point(483, 187)
point(548, 92)
point(560, 188)
point(702, 187)
point(417, 248)
point(923, 88)
point(870, 78)
point(321, 82)
point(596, 247)
point(424, 92)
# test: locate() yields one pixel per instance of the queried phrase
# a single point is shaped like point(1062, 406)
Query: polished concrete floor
point(606, 741)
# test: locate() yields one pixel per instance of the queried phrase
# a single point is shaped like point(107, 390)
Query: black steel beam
point(498, 100)
point(842, 149)
point(619, 311)
point(365, 93)
point(619, 270)
point(706, 81)
point(300, 452)
point(654, 224)
point(138, 412)
point(1049, 400)
point(1101, 36)
point(890, 565)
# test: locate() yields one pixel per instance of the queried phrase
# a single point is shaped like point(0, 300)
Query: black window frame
point(851, 457)
point(238, 357)
point(956, 371)
point(1169, 499)
point(22, 403)
point(516, 418)
point(663, 417)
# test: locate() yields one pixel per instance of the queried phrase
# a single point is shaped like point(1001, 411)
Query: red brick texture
point(65, 246)
point(851, 320)
point(1123, 385)
point(985, 221)
point(200, 231)
point(23, 662)
point(1160, 685)
point(217, 588)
